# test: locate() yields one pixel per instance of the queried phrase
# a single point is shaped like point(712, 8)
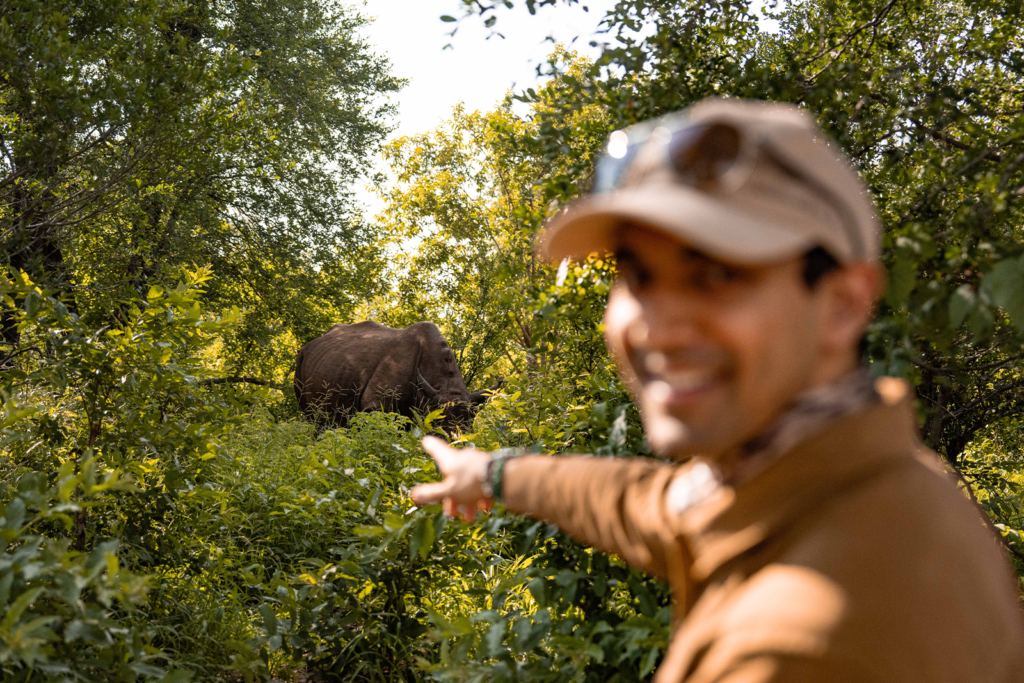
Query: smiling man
point(806, 532)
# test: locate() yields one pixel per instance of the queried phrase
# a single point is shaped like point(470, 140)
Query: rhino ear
point(478, 398)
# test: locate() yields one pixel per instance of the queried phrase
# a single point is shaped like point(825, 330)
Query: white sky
point(475, 70)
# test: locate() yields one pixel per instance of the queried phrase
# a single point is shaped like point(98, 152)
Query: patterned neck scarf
point(812, 411)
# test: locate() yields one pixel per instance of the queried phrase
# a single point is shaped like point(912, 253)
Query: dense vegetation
point(176, 220)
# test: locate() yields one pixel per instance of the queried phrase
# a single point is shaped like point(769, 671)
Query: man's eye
point(634, 278)
point(711, 276)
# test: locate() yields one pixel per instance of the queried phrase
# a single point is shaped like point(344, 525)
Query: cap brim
point(592, 226)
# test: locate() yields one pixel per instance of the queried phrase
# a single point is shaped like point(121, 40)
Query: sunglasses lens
point(702, 154)
point(618, 144)
point(612, 166)
point(705, 154)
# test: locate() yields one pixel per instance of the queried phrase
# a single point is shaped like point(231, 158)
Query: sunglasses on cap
point(710, 156)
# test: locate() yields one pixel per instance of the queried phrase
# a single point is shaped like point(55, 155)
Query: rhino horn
point(430, 391)
point(480, 397)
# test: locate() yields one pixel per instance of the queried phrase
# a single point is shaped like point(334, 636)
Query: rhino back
point(346, 356)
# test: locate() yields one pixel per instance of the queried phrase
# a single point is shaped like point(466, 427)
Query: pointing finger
point(425, 494)
point(441, 452)
point(435, 446)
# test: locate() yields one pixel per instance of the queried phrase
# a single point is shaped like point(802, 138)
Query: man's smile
point(679, 386)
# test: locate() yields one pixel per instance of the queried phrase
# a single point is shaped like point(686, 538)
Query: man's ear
point(852, 292)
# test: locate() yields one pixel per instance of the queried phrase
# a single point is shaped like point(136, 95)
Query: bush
point(59, 604)
point(164, 527)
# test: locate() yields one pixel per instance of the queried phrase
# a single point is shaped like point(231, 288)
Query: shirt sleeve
point(613, 504)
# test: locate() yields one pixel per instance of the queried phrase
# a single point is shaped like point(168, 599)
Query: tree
point(926, 98)
point(463, 213)
point(141, 137)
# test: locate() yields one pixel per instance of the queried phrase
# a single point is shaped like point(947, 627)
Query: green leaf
point(538, 589)
point(650, 659)
point(422, 539)
point(147, 670)
point(269, 618)
point(14, 514)
point(6, 579)
point(960, 304)
point(446, 17)
point(87, 632)
point(19, 606)
point(1005, 287)
point(12, 415)
point(494, 637)
point(902, 279)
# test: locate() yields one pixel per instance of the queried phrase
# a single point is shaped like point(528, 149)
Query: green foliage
point(317, 550)
point(159, 521)
point(59, 603)
point(994, 467)
point(464, 211)
point(563, 612)
point(121, 386)
point(267, 549)
point(569, 614)
point(138, 138)
point(345, 580)
point(114, 408)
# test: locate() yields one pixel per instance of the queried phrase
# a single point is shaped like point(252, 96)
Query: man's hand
point(464, 471)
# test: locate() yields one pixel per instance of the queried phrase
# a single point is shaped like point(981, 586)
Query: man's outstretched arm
point(613, 504)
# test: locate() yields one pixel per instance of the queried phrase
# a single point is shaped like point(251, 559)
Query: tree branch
point(846, 43)
point(14, 354)
point(1002, 388)
point(951, 141)
point(243, 380)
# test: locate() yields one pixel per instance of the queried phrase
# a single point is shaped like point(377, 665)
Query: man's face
point(713, 352)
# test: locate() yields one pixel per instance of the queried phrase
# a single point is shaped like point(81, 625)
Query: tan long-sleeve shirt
point(851, 557)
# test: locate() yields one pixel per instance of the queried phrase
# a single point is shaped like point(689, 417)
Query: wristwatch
point(491, 483)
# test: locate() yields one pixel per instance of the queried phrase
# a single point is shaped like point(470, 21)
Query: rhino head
point(460, 406)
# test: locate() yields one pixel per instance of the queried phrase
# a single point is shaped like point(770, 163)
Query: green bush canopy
point(176, 219)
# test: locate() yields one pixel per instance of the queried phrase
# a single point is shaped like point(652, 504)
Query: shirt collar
point(812, 411)
point(728, 519)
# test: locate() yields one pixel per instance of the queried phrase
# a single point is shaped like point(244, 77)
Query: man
point(807, 534)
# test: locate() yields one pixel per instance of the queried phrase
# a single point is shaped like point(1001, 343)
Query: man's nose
point(663, 324)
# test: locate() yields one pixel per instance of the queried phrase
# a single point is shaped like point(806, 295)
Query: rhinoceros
point(370, 366)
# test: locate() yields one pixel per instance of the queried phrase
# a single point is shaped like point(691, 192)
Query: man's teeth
point(656, 364)
point(683, 380)
point(689, 379)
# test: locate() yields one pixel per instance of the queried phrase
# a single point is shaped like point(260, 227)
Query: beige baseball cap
point(744, 181)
